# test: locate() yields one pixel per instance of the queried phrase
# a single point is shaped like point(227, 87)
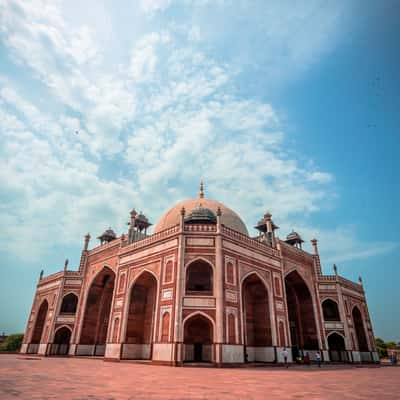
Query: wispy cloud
point(100, 137)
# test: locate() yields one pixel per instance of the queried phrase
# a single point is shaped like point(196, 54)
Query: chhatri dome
point(199, 206)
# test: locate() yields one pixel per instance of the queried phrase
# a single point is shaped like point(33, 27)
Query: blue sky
point(286, 106)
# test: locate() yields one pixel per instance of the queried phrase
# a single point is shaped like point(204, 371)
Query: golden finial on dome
point(201, 193)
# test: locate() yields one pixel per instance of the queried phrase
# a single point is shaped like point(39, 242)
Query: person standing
point(285, 355)
point(318, 356)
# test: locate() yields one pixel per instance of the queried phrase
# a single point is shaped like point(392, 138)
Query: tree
point(12, 342)
point(381, 346)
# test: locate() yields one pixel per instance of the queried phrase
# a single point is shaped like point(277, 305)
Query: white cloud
point(153, 6)
point(149, 124)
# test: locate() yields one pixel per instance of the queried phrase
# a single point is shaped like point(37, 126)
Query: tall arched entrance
point(39, 327)
point(97, 314)
point(198, 339)
point(359, 328)
point(257, 319)
point(303, 329)
point(141, 319)
point(337, 348)
point(60, 345)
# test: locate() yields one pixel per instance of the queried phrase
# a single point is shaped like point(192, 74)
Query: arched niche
point(69, 304)
point(330, 310)
point(199, 278)
point(198, 339)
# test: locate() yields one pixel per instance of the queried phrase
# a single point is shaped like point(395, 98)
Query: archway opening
point(198, 339)
point(69, 304)
point(359, 328)
point(199, 278)
point(39, 324)
point(140, 323)
point(337, 348)
point(37, 333)
point(97, 314)
point(303, 329)
point(256, 313)
point(60, 345)
point(330, 310)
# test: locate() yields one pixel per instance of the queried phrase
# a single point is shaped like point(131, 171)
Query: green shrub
point(12, 343)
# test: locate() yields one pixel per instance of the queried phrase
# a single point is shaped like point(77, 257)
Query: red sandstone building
point(199, 289)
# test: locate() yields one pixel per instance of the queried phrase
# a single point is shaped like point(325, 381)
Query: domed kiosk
point(199, 289)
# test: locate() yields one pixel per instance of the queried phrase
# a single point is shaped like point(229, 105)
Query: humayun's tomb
point(199, 289)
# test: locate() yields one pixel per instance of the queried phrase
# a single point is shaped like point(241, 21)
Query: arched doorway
point(38, 329)
point(97, 314)
point(256, 317)
point(141, 319)
point(69, 304)
point(359, 328)
point(61, 341)
point(330, 310)
point(337, 348)
point(198, 339)
point(303, 329)
point(199, 278)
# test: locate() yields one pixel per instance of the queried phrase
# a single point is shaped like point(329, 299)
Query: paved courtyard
point(23, 377)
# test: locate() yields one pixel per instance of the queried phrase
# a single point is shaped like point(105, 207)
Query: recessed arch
point(40, 322)
point(97, 311)
point(61, 341)
point(256, 311)
point(69, 303)
point(199, 335)
point(359, 329)
point(337, 333)
point(199, 277)
point(330, 310)
point(140, 316)
point(336, 346)
point(302, 321)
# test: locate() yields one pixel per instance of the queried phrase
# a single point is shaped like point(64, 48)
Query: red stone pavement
point(24, 377)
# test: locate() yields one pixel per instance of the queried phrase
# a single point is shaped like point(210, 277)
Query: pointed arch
point(302, 320)
point(330, 310)
point(199, 336)
point(359, 329)
point(199, 277)
point(61, 341)
point(256, 310)
point(337, 346)
point(94, 329)
point(40, 321)
point(140, 309)
point(69, 303)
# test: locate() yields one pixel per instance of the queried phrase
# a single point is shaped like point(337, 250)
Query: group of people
point(306, 359)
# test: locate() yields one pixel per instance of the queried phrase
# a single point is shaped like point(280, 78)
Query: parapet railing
point(200, 228)
point(249, 241)
point(327, 278)
point(351, 284)
point(153, 238)
point(295, 251)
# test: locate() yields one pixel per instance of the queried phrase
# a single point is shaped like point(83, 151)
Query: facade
point(199, 289)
